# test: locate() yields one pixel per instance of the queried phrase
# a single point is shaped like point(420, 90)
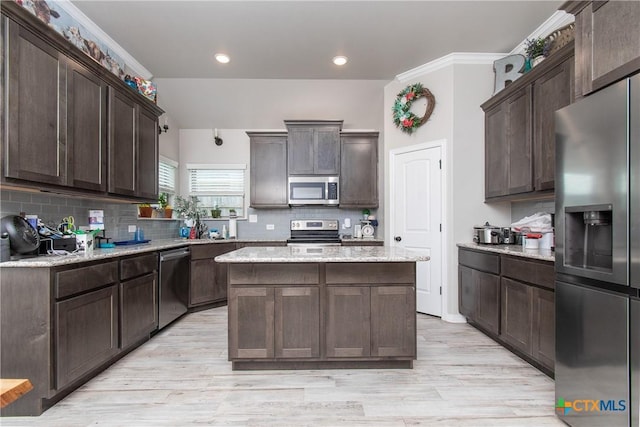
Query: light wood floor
point(182, 377)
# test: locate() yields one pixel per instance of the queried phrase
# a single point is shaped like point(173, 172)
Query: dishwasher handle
point(169, 255)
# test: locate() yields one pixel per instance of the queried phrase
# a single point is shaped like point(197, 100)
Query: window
point(221, 186)
point(167, 170)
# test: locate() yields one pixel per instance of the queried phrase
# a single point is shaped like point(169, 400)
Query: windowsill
point(158, 219)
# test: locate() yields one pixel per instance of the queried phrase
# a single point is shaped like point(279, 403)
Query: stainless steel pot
point(487, 234)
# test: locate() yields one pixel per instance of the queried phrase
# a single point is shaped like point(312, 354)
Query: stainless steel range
point(314, 232)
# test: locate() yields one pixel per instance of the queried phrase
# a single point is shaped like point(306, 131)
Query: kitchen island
point(322, 307)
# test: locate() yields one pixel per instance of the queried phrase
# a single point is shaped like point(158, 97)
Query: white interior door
point(417, 219)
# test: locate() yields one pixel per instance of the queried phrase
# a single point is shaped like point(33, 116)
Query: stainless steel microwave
point(314, 190)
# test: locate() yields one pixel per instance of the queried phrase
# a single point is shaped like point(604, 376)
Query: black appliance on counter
point(597, 369)
point(314, 232)
point(173, 292)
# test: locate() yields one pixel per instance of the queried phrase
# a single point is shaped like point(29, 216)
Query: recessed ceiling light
point(222, 58)
point(340, 60)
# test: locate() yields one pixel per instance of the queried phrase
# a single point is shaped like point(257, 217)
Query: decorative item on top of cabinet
point(607, 40)
point(313, 147)
point(359, 170)
point(268, 182)
point(520, 131)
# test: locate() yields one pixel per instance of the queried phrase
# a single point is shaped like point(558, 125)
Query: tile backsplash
point(51, 208)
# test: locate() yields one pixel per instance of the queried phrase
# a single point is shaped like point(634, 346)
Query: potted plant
point(216, 212)
point(536, 49)
point(163, 201)
point(187, 208)
point(145, 210)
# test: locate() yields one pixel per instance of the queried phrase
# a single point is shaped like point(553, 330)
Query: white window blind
point(167, 176)
point(218, 186)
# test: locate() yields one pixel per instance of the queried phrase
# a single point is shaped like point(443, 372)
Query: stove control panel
point(314, 224)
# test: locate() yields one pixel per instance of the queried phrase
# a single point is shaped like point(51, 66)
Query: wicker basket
point(561, 37)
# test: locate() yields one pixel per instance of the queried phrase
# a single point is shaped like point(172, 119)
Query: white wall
point(457, 118)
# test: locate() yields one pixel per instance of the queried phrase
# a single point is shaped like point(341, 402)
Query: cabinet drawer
point(274, 274)
point(480, 261)
point(538, 273)
point(211, 250)
point(84, 279)
point(137, 266)
point(370, 273)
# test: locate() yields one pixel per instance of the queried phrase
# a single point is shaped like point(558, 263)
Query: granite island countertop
point(323, 254)
point(515, 250)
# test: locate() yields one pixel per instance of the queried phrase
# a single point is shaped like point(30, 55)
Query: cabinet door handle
point(398, 238)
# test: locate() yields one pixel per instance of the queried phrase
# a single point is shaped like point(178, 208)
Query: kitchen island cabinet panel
point(297, 322)
point(348, 321)
point(251, 323)
point(268, 152)
point(86, 333)
point(393, 334)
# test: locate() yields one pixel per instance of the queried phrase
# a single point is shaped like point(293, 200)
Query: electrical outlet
point(253, 218)
point(132, 229)
point(271, 227)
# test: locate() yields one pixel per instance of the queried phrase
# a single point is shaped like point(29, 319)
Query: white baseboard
point(454, 318)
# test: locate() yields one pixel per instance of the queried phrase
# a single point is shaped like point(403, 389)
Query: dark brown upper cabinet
point(520, 130)
point(359, 170)
point(607, 40)
point(313, 147)
point(268, 169)
point(70, 124)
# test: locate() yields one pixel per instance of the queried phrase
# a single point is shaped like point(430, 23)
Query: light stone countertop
point(118, 251)
point(323, 254)
point(515, 250)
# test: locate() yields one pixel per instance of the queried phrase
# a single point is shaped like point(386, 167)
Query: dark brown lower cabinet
point(86, 333)
point(519, 297)
point(139, 303)
point(517, 313)
point(251, 322)
point(208, 283)
point(348, 321)
point(544, 324)
point(393, 321)
point(297, 321)
point(321, 315)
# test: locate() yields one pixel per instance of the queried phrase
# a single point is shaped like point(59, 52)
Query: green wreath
point(402, 116)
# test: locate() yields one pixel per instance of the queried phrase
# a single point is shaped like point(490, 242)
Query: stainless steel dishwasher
point(173, 290)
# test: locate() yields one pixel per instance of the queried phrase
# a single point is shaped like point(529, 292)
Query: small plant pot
point(215, 213)
point(168, 212)
point(145, 211)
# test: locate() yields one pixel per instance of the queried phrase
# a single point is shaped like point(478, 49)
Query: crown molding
point(82, 19)
point(467, 58)
point(557, 20)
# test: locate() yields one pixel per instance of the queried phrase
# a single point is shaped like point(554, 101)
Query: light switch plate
point(253, 218)
point(132, 229)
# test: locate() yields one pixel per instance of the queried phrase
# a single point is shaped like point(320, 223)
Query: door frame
point(441, 143)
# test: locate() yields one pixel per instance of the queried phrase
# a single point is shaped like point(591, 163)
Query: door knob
point(398, 238)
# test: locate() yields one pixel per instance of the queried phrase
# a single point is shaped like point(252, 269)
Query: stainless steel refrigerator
point(598, 258)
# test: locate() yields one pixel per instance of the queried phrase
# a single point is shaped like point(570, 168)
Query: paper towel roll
point(233, 228)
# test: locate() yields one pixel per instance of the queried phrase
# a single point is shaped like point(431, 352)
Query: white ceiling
point(297, 39)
